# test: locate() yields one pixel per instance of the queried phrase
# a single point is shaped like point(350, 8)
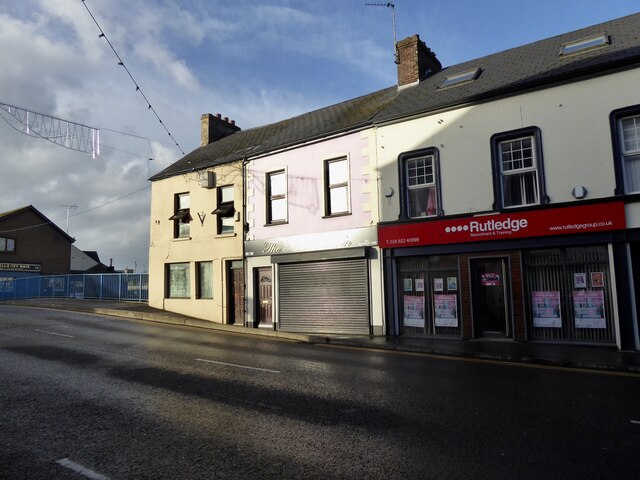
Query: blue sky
point(254, 61)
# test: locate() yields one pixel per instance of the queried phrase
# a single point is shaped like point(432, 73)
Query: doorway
point(490, 290)
point(264, 287)
point(235, 279)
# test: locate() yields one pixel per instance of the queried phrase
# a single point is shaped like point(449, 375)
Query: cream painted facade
point(576, 142)
point(204, 244)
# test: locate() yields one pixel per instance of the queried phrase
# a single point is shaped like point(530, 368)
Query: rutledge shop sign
point(505, 226)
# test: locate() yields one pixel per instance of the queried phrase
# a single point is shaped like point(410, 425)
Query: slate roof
point(349, 115)
point(45, 220)
point(531, 66)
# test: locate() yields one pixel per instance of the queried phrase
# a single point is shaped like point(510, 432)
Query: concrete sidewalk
point(588, 357)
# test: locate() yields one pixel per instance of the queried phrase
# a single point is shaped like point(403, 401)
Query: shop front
point(553, 275)
point(320, 283)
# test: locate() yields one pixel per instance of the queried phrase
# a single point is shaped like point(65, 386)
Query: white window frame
point(522, 173)
point(421, 186)
point(629, 155)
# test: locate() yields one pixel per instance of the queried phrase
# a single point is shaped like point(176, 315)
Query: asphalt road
point(86, 396)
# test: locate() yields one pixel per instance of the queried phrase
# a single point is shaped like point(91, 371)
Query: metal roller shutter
point(324, 297)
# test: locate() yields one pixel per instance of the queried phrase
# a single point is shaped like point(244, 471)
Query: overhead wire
point(52, 222)
point(137, 85)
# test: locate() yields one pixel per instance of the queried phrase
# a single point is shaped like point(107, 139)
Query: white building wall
point(576, 142)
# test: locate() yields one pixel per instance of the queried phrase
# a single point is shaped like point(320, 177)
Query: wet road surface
point(87, 396)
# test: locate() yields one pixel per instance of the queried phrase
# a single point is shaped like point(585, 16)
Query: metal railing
point(109, 286)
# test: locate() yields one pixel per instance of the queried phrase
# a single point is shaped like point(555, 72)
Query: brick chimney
point(415, 61)
point(214, 128)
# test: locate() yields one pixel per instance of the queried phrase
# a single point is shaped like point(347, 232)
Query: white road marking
point(53, 333)
point(237, 366)
point(636, 422)
point(84, 471)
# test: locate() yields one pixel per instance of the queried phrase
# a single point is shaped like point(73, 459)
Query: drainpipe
point(245, 162)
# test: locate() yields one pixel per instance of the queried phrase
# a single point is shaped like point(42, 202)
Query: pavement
point(601, 358)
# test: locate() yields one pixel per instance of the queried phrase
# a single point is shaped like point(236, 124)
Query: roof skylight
point(460, 78)
point(584, 44)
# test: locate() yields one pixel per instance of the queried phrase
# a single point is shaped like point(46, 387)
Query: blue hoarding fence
point(130, 287)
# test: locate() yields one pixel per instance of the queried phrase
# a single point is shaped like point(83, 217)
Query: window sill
point(334, 215)
point(181, 239)
point(226, 235)
point(273, 224)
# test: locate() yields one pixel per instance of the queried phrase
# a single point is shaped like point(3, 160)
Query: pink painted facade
point(304, 169)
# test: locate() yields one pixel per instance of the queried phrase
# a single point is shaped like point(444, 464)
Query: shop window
point(429, 296)
point(568, 293)
point(7, 245)
point(336, 187)
point(625, 125)
point(204, 279)
point(181, 216)
point(518, 168)
point(420, 184)
point(178, 280)
point(225, 212)
point(276, 197)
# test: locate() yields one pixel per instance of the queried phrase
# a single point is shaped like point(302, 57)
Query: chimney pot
point(214, 128)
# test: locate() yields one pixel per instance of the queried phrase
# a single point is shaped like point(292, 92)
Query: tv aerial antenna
point(392, 6)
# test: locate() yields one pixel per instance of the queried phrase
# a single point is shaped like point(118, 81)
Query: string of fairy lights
point(137, 85)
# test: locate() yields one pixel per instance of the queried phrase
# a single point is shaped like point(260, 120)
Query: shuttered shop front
point(329, 296)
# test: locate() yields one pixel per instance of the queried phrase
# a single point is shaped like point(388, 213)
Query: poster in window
point(597, 279)
point(452, 283)
point(446, 310)
point(413, 311)
point(490, 279)
point(438, 284)
point(419, 284)
point(579, 280)
point(588, 307)
point(546, 309)
point(408, 284)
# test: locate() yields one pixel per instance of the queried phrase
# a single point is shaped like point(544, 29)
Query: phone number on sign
point(401, 241)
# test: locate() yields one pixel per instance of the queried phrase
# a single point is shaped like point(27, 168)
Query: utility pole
point(68, 207)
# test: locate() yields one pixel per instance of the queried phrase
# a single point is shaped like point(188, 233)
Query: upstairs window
point(420, 184)
point(226, 210)
point(625, 125)
point(518, 174)
point(7, 245)
point(276, 197)
point(181, 216)
point(336, 186)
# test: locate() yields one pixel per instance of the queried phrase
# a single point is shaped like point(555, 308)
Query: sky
point(254, 61)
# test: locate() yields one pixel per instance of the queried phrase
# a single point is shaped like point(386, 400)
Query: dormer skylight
point(584, 44)
point(460, 78)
